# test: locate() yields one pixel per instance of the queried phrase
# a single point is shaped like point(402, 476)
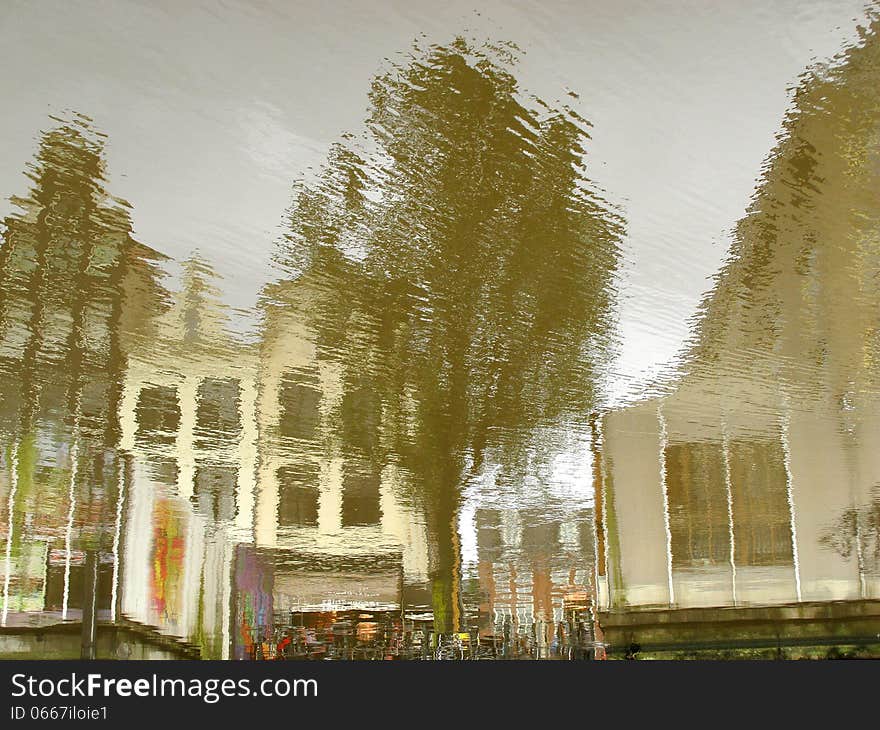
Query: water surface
point(547, 332)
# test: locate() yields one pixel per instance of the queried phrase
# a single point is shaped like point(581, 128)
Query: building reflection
point(751, 481)
point(375, 469)
point(189, 438)
point(75, 285)
point(221, 482)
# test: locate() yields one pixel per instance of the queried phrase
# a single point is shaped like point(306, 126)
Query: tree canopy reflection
point(462, 264)
point(75, 286)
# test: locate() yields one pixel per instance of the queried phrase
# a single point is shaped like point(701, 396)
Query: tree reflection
point(461, 266)
point(802, 262)
point(74, 282)
point(788, 335)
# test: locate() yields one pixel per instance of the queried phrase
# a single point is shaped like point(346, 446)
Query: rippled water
point(540, 331)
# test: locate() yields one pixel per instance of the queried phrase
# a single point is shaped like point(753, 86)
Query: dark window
point(217, 410)
point(298, 495)
point(360, 418)
point(699, 520)
point(158, 413)
point(761, 514)
point(360, 499)
point(54, 597)
point(299, 400)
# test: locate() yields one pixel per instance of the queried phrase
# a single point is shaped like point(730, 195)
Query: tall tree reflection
point(462, 263)
point(74, 283)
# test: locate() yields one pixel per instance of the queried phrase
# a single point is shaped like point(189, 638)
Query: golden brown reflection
point(412, 454)
point(755, 476)
point(456, 280)
point(75, 287)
